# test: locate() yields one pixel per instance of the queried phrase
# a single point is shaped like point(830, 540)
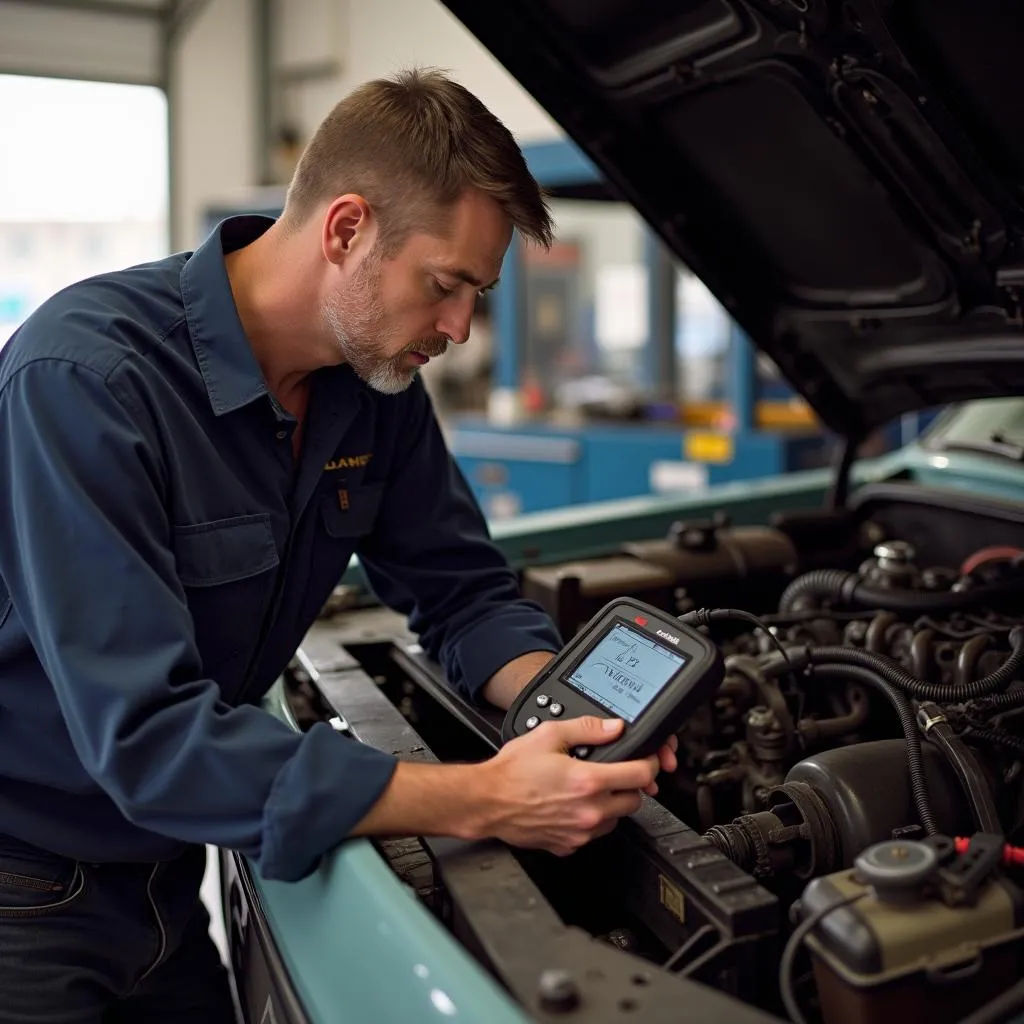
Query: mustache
point(432, 347)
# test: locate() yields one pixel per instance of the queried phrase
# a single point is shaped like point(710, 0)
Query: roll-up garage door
point(105, 40)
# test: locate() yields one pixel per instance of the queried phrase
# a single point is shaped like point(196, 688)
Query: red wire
point(1013, 856)
point(989, 554)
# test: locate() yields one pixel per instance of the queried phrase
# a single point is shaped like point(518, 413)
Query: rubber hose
point(1001, 701)
point(998, 739)
point(915, 759)
point(818, 583)
point(896, 675)
point(850, 588)
point(983, 807)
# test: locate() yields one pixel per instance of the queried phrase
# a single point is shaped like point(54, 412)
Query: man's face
point(391, 316)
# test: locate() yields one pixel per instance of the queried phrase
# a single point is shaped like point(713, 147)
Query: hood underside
point(847, 176)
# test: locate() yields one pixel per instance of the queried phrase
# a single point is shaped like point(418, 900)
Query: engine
point(843, 824)
point(872, 696)
point(846, 667)
point(854, 670)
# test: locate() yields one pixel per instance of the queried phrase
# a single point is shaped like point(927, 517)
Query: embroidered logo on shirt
point(349, 462)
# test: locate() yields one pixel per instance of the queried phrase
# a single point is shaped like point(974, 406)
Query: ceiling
point(101, 40)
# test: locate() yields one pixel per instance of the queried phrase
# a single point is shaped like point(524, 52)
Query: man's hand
point(531, 793)
point(505, 685)
point(539, 798)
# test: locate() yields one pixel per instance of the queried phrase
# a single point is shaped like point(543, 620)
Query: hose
point(802, 930)
point(997, 739)
point(983, 807)
point(851, 588)
point(896, 675)
point(915, 760)
point(1010, 701)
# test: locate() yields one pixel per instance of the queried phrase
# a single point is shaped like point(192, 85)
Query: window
point(83, 186)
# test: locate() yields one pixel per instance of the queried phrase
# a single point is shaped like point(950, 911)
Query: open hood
point(847, 176)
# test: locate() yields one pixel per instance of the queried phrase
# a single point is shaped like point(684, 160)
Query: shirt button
point(282, 434)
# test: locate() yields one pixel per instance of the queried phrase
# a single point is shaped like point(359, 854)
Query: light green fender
point(359, 946)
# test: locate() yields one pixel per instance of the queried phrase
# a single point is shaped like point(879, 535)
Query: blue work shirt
point(162, 554)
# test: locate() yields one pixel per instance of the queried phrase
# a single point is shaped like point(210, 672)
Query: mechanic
point(190, 452)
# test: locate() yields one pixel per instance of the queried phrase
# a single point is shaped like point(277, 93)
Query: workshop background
point(599, 370)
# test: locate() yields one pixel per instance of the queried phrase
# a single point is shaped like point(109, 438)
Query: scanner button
point(543, 700)
point(556, 709)
point(532, 722)
point(581, 752)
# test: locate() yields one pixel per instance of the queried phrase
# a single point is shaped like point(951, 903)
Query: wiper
point(995, 444)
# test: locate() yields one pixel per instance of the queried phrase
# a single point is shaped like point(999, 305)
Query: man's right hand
point(536, 796)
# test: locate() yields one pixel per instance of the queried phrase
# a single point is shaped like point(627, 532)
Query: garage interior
point(765, 388)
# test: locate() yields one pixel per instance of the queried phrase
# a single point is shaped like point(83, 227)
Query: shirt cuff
point(319, 796)
point(495, 642)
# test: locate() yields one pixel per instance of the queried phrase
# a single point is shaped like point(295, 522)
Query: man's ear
point(348, 227)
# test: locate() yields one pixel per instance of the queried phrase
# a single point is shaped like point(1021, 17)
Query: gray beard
point(358, 341)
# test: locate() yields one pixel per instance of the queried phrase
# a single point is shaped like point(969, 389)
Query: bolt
point(621, 938)
point(558, 990)
point(895, 551)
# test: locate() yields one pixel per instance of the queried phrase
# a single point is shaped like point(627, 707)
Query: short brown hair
point(411, 146)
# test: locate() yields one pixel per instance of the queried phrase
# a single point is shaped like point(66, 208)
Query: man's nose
point(455, 323)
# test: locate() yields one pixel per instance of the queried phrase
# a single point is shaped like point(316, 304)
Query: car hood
point(847, 176)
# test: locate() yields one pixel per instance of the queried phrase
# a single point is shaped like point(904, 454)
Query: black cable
point(802, 930)
point(705, 616)
point(908, 721)
point(850, 588)
point(894, 673)
point(998, 739)
point(839, 488)
point(1011, 701)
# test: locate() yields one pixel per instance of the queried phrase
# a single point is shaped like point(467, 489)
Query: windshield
point(989, 425)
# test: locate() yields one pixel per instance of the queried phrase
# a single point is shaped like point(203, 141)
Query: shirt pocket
point(228, 568)
point(344, 517)
point(351, 512)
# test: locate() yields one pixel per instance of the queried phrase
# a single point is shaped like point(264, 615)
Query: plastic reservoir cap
point(896, 868)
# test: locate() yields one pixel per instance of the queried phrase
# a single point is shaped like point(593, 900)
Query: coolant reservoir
point(909, 949)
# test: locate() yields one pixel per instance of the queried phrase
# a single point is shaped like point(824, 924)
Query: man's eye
point(440, 288)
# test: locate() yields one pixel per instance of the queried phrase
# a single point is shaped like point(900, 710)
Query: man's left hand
point(505, 685)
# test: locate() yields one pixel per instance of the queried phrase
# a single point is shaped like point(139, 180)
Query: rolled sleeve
point(86, 556)
point(431, 558)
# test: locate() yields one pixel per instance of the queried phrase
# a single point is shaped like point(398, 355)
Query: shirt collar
point(232, 376)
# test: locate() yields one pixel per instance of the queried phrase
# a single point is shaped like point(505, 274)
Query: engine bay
point(839, 839)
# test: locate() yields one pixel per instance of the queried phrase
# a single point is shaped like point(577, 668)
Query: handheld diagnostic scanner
point(631, 661)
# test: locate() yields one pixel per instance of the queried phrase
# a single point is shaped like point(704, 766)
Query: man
point(190, 452)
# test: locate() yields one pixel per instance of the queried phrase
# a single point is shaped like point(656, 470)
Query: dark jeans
point(106, 944)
